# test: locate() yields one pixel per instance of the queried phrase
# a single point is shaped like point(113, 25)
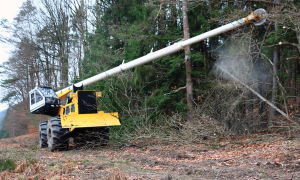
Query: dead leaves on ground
point(116, 174)
point(21, 169)
point(5, 175)
point(157, 159)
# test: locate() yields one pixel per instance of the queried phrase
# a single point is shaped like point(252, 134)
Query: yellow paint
point(74, 120)
point(64, 94)
point(72, 129)
point(99, 94)
point(73, 95)
point(249, 18)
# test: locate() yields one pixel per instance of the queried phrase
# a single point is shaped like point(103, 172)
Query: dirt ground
point(261, 157)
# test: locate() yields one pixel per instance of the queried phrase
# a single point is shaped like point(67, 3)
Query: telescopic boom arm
point(257, 17)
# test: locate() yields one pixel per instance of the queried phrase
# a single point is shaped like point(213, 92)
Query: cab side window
point(32, 98)
point(73, 108)
point(68, 110)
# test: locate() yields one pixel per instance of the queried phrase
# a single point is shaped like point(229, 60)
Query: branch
point(285, 43)
point(175, 91)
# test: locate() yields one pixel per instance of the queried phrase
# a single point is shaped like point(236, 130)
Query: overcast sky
point(8, 10)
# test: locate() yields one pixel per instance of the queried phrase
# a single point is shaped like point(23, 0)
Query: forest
point(203, 92)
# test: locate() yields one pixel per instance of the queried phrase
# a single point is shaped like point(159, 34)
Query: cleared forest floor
point(261, 157)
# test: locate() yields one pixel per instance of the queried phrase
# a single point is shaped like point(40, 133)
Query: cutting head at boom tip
point(260, 16)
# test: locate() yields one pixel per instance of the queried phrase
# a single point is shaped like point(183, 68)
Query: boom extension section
point(257, 18)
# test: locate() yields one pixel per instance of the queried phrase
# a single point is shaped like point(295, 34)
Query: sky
point(8, 10)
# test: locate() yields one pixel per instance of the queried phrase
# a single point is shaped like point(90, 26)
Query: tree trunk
point(263, 105)
point(188, 64)
point(274, 87)
point(249, 107)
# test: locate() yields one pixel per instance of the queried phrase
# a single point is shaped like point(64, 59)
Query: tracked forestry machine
point(79, 117)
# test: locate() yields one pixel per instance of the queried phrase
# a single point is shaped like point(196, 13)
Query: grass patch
point(30, 160)
point(52, 164)
point(7, 164)
point(33, 147)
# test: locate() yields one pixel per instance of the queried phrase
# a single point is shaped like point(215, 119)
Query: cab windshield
point(52, 100)
point(50, 95)
point(48, 92)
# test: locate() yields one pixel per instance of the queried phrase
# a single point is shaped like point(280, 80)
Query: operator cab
point(43, 100)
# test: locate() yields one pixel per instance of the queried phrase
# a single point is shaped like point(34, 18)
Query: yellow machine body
point(72, 118)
